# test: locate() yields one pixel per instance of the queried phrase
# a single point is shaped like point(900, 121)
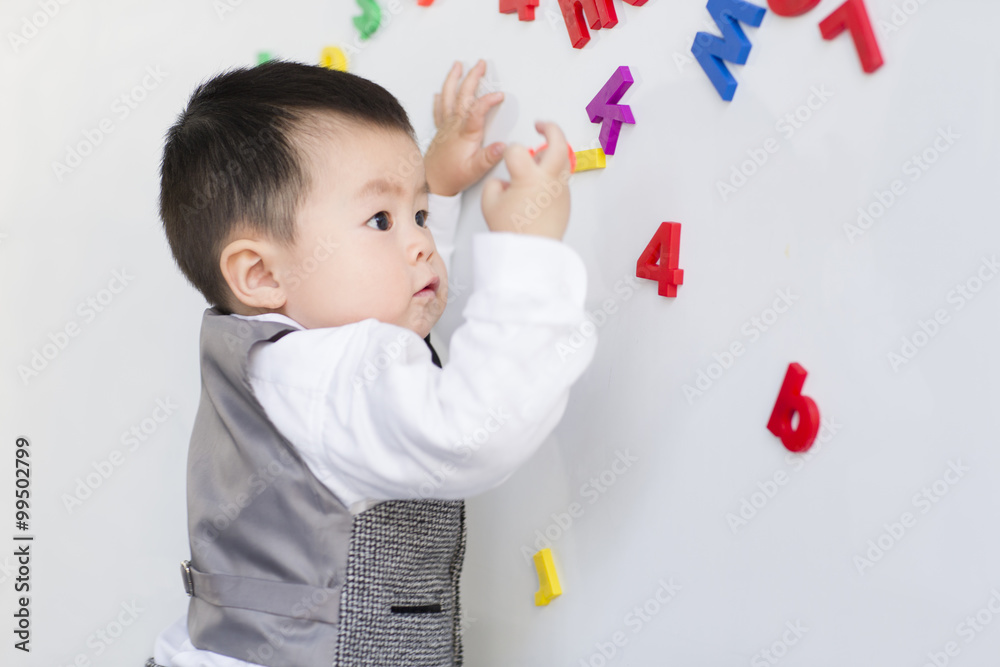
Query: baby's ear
point(248, 266)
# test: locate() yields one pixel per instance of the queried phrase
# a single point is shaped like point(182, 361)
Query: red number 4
point(659, 260)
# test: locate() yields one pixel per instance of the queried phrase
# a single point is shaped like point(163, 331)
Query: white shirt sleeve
point(443, 221)
point(375, 419)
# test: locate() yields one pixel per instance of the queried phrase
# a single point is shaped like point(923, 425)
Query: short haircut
point(236, 159)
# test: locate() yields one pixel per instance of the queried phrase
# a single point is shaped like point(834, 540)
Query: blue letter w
point(710, 50)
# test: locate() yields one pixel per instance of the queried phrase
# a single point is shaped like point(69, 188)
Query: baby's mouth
point(430, 289)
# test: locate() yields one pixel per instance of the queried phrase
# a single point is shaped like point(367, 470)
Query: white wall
point(665, 518)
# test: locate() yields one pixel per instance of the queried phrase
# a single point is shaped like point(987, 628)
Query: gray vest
point(281, 573)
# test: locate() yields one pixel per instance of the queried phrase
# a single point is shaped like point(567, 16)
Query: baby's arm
point(375, 419)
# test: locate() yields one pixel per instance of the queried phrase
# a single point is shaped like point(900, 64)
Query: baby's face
point(362, 249)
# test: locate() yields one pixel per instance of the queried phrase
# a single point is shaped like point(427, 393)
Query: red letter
point(791, 7)
point(601, 14)
point(525, 8)
point(790, 400)
point(853, 16)
point(664, 248)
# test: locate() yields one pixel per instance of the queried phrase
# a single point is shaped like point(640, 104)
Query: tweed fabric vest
point(281, 573)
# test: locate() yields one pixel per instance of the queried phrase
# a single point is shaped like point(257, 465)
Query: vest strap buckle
point(187, 577)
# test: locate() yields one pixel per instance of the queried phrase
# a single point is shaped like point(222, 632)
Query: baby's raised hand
point(536, 200)
point(456, 157)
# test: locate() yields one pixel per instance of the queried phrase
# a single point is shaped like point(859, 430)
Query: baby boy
point(331, 451)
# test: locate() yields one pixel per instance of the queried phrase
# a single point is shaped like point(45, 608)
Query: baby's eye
point(381, 215)
point(422, 218)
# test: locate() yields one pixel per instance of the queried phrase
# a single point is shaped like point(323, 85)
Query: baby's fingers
point(467, 91)
point(448, 90)
point(520, 164)
point(476, 121)
point(556, 159)
point(492, 190)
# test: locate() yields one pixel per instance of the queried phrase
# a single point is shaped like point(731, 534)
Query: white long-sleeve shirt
point(375, 419)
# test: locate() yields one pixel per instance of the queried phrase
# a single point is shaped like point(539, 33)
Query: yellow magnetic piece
point(592, 159)
point(333, 58)
point(548, 580)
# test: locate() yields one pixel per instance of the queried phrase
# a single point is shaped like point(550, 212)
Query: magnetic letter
point(604, 107)
point(791, 7)
point(710, 50)
point(600, 13)
point(790, 400)
point(525, 8)
point(853, 16)
point(548, 580)
point(367, 23)
point(664, 248)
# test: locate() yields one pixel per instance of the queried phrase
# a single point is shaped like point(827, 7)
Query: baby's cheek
point(443, 285)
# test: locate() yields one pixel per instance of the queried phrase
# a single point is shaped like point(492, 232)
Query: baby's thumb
point(489, 156)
